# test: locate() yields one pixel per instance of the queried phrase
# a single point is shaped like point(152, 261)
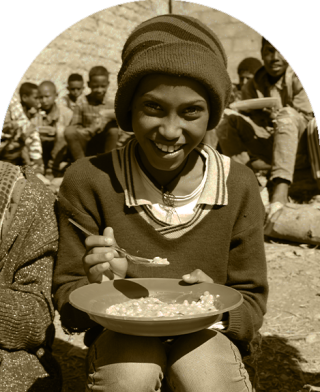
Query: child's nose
point(171, 127)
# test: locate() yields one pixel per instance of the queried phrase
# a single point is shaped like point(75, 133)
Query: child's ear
point(23, 97)
point(89, 84)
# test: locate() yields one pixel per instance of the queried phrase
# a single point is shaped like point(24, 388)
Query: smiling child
point(166, 194)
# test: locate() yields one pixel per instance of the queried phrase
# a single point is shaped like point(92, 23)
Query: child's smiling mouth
point(168, 149)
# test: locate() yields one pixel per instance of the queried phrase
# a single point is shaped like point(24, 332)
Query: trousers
point(281, 143)
point(204, 361)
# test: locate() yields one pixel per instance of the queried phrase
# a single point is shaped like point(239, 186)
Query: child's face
point(32, 100)
point(275, 64)
point(169, 118)
point(75, 88)
point(47, 96)
point(98, 85)
point(244, 77)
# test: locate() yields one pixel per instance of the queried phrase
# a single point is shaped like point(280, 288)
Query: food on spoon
point(153, 307)
point(160, 260)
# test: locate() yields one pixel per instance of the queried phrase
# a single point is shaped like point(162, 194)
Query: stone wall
point(99, 38)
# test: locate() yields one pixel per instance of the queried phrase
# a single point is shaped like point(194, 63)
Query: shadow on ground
point(279, 367)
point(72, 361)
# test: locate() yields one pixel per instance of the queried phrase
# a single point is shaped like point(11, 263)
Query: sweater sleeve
point(300, 99)
point(73, 201)
point(26, 309)
point(247, 271)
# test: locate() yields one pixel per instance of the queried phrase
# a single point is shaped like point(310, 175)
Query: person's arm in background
point(300, 99)
point(77, 116)
point(26, 309)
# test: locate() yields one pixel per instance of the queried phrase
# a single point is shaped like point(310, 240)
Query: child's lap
point(200, 361)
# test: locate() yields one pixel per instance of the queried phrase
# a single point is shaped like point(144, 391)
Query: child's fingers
point(96, 272)
point(197, 276)
point(95, 241)
point(97, 256)
point(108, 235)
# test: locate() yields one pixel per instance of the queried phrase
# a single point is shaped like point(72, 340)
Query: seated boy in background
point(52, 121)
point(75, 88)
point(246, 71)
point(20, 141)
point(93, 128)
point(273, 140)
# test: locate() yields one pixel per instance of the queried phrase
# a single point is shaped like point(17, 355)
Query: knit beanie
point(173, 45)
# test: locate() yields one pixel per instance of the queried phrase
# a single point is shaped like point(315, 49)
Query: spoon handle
point(80, 227)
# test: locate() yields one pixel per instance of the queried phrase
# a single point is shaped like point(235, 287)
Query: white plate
point(257, 103)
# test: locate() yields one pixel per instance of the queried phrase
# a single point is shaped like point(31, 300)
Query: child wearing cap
point(166, 194)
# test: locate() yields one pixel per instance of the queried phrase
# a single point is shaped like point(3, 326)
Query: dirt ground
point(290, 355)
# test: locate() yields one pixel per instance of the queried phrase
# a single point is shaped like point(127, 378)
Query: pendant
point(168, 199)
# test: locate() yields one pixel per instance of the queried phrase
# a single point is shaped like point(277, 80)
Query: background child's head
point(47, 95)
point(247, 68)
point(173, 45)
point(274, 63)
point(75, 86)
point(29, 95)
point(98, 82)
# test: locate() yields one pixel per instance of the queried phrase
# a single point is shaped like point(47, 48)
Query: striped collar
point(215, 189)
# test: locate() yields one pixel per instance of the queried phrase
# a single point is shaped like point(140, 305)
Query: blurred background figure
point(246, 71)
point(51, 122)
point(20, 141)
point(75, 88)
point(28, 247)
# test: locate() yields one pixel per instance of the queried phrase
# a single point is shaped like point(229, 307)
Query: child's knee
point(127, 363)
point(206, 361)
point(124, 376)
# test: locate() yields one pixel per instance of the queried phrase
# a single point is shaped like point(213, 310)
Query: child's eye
point(153, 106)
point(193, 110)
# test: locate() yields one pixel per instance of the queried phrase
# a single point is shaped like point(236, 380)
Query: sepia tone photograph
point(160, 200)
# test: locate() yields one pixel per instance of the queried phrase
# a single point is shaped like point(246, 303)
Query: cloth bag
point(297, 223)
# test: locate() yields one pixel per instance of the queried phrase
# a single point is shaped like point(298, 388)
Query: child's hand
point(101, 262)
point(197, 276)
point(273, 112)
point(96, 125)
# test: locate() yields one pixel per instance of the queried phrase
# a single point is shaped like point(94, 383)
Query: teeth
point(166, 148)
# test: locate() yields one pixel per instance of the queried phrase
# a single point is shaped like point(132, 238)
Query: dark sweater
point(227, 244)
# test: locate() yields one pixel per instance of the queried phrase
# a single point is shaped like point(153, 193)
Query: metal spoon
point(134, 259)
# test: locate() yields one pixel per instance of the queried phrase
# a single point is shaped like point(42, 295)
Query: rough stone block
point(227, 44)
point(186, 8)
point(86, 36)
point(48, 56)
point(89, 23)
point(214, 16)
point(244, 44)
